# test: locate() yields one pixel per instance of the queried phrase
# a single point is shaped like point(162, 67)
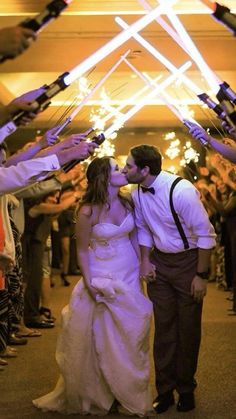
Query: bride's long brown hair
point(98, 175)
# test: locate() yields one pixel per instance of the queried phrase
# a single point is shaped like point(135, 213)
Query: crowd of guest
point(29, 216)
point(216, 184)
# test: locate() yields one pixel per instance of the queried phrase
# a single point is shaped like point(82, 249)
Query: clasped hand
point(148, 272)
point(198, 288)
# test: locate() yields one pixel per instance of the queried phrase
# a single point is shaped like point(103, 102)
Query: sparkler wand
point(117, 111)
point(152, 84)
point(86, 98)
point(225, 110)
point(119, 122)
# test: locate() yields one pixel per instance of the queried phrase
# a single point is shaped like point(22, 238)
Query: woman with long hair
point(102, 350)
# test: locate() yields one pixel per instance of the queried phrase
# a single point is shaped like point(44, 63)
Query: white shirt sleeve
point(145, 237)
point(191, 210)
point(15, 177)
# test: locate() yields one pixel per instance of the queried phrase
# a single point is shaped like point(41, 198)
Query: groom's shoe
point(162, 402)
point(186, 402)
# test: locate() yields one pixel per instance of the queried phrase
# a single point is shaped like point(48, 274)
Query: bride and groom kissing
point(103, 347)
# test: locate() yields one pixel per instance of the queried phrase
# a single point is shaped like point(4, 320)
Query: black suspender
point(175, 215)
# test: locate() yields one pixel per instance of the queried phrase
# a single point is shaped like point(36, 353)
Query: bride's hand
point(93, 293)
point(147, 271)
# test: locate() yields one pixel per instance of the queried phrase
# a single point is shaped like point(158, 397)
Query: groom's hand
point(147, 271)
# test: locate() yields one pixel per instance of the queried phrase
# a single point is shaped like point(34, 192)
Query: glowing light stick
point(145, 100)
point(186, 121)
point(161, 58)
point(152, 84)
point(164, 97)
point(98, 139)
point(225, 87)
point(124, 105)
point(65, 79)
point(211, 104)
point(86, 99)
point(37, 23)
point(165, 26)
point(202, 96)
point(207, 73)
point(210, 4)
point(222, 14)
point(116, 42)
point(224, 110)
point(228, 108)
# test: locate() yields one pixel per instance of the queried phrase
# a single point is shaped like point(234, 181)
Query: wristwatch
point(203, 275)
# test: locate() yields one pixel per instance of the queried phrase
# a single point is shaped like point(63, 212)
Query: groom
point(175, 238)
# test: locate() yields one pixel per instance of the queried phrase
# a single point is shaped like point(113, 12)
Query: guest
point(37, 230)
point(227, 150)
point(14, 40)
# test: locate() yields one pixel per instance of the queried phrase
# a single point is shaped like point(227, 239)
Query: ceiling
point(88, 25)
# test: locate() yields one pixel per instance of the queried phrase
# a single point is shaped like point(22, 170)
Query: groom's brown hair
point(147, 155)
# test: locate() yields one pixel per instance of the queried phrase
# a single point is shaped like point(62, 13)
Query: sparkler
point(145, 100)
point(90, 94)
point(187, 120)
point(160, 57)
point(117, 111)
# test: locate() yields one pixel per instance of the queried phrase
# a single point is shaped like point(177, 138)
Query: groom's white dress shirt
point(155, 223)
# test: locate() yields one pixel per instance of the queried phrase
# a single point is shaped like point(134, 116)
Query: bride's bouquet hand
point(94, 294)
point(105, 289)
point(147, 271)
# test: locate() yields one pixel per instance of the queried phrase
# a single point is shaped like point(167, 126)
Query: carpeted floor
point(34, 371)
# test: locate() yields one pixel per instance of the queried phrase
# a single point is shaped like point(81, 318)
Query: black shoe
point(186, 402)
point(64, 280)
point(46, 312)
point(41, 324)
point(75, 272)
point(15, 340)
point(162, 402)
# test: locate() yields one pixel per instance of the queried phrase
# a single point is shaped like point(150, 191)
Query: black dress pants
point(177, 320)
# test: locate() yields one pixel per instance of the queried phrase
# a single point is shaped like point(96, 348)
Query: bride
point(102, 351)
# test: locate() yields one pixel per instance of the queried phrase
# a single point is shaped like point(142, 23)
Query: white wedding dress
point(102, 350)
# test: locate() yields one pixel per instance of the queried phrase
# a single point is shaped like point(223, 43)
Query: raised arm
point(53, 209)
point(227, 151)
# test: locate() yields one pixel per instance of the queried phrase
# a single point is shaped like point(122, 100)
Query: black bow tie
point(151, 190)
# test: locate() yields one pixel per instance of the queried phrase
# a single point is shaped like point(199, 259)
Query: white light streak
point(90, 92)
point(112, 45)
point(145, 100)
point(169, 136)
point(161, 58)
point(189, 154)
point(207, 73)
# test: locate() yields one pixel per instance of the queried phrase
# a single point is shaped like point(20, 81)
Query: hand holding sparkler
point(227, 151)
point(197, 132)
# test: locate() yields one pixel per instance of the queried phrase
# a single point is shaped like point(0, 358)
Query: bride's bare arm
point(134, 241)
point(83, 234)
point(134, 234)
